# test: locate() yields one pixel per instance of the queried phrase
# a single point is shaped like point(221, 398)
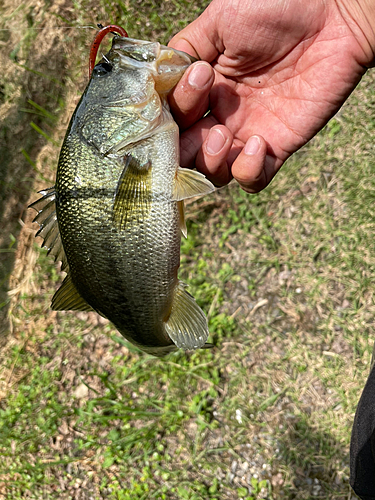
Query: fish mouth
point(171, 65)
point(167, 65)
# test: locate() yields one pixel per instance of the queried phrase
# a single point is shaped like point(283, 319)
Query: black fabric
point(362, 446)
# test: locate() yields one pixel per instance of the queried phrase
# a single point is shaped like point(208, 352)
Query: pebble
point(239, 416)
point(81, 391)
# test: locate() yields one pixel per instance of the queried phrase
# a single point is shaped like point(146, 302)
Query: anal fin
point(67, 298)
point(187, 323)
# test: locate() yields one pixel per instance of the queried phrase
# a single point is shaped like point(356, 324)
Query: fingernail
point(215, 142)
point(199, 76)
point(252, 146)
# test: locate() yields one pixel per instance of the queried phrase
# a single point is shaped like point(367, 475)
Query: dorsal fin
point(49, 228)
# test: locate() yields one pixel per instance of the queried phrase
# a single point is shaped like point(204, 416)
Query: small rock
point(345, 304)
point(277, 480)
point(239, 416)
point(82, 391)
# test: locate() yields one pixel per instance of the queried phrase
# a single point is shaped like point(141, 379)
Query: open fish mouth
point(145, 51)
point(166, 64)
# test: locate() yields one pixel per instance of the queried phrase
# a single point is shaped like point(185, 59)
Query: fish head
point(125, 97)
point(134, 69)
point(166, 65)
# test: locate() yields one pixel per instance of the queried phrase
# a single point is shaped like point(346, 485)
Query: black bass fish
point(115, 215)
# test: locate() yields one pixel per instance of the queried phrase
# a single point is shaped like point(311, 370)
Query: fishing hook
point(111, 28)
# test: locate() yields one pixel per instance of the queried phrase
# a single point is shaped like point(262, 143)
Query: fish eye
point(102, 69)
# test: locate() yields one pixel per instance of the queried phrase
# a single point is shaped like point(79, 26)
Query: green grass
point(285, 277)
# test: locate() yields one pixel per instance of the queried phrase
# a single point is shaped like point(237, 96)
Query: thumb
point(200, 38)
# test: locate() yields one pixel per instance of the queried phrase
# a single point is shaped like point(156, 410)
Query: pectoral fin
point(133, 194)
point(49, 228)
point(67, 298)
point(187, 324)
point(189, 183)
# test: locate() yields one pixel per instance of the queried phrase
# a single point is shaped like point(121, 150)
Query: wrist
point(360, 17)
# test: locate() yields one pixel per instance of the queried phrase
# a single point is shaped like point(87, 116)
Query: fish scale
point(119, 197)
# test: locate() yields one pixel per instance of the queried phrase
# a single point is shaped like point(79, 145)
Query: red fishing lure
point(111, 28)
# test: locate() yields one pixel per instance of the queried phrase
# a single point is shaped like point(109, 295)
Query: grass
point(285, 277)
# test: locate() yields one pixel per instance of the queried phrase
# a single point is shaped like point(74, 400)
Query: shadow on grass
point(317, 462)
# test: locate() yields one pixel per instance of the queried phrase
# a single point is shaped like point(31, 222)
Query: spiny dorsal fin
point(187, 324)
point(49, 228)
point(133, 193)
point(67, 298)
point(189, 183)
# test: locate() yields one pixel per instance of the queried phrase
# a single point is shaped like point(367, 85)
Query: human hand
point(279, 70)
